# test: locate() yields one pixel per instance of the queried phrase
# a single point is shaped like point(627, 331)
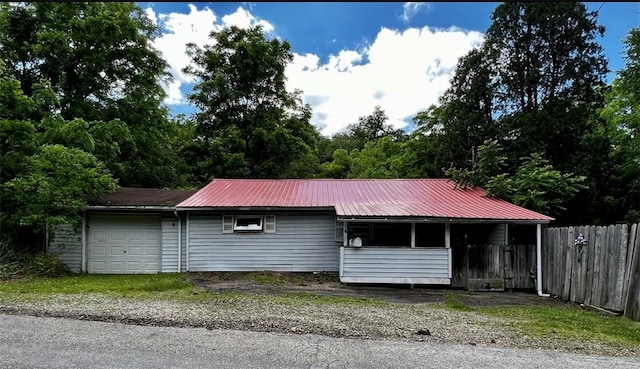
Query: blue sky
point(349, 57)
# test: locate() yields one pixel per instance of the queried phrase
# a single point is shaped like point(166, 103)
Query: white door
point(124, 244)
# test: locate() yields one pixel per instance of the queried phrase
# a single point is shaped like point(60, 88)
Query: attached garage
point(130, 231)
point(123, 244)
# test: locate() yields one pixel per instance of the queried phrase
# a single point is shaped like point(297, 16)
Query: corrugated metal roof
point(360, 198)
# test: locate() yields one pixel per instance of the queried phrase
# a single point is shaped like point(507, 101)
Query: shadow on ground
point(275, 283)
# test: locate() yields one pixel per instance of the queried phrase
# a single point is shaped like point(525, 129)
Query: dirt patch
point(276, 283)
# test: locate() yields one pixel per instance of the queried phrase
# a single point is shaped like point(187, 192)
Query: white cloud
point(409, 10)
point(402, 71)
point(180, 29)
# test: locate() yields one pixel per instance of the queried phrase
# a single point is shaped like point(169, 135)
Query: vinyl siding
point(395, 265)
point(66, 243)
point(301, 243)
point(498, 234)
point(169, 244)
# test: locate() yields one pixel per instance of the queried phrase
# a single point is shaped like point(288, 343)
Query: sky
point(350, 57)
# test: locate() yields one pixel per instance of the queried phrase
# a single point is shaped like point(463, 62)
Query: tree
point(249, 124)
point(378, 159)
point(548, 71)
point(99, 63)
point(465, 116)
point(622, 112)
point(47, 167)
point(536, 184)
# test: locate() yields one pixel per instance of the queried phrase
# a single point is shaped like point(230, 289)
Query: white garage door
point(124, 244)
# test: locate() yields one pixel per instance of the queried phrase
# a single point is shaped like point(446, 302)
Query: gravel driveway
point(423, 320)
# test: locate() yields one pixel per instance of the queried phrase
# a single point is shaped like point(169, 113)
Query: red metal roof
point(360, 198)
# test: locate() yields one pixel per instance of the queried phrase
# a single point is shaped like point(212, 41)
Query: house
point(407, 231)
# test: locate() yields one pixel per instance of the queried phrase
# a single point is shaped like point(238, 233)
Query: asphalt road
point(31, 342)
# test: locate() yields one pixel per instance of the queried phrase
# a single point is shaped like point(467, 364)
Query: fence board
point(621, 268)
point(597, 288)
point(632, 309)
point(550, 258)
point(591, 245)
point(580, 268)
point(609, 266)
point(630, 252)
point(567, 238)
point(559, 280)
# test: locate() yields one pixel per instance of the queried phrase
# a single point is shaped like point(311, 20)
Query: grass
point(172, 286)
point(563, 322)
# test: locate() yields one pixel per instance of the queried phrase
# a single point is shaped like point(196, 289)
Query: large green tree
point(248, 124)
point(98, 60)
point(535, 85)
point(622, 113)
point(48, 166)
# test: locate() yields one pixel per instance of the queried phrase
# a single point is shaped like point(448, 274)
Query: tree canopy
point(247, 123)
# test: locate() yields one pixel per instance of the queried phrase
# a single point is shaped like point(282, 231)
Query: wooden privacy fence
point(597, 266)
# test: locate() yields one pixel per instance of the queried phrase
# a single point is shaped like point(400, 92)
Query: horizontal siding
point(169, 244)
point(301, 243)
point(498, 235)
point(66, 243)
point(389, 263)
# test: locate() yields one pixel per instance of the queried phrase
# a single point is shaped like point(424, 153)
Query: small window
point(248, 224)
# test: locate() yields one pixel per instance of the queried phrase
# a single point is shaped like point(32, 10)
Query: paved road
point(30, 342)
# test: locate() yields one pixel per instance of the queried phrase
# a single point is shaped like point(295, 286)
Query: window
point(248, 223)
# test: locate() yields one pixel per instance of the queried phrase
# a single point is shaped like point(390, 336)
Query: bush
point(46, 265)
point(14, 265)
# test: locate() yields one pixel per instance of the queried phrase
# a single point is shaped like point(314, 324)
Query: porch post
point(413, 235)
point(447, 245)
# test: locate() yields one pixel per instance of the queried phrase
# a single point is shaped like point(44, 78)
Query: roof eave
point(255, 208)
point(131, 207)
point(426, 219)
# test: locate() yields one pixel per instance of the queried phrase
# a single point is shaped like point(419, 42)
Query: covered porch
point(461, 253)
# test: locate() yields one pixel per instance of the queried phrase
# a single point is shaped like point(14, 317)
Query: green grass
point(158, 285)
point(563, 322)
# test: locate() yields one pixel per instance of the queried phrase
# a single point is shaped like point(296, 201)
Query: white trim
point(341, 262)
point(187, 245)
point(84, 243)
point(179, 243)
point(450, 257)
point(396, 280)
point(539, 260)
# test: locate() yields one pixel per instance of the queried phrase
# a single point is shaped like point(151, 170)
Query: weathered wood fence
point(597, 266)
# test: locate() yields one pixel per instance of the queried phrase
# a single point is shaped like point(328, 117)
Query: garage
point(123, 244)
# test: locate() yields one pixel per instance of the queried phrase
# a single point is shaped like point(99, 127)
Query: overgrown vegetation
point(15, 265)
point(570, 322)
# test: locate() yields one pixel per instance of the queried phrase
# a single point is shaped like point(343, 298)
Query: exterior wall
point(66, 243)
point(169, 244)
point(395, 265)
point(302, 242)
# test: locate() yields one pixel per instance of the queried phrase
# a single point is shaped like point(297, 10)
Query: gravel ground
point(393, 321)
